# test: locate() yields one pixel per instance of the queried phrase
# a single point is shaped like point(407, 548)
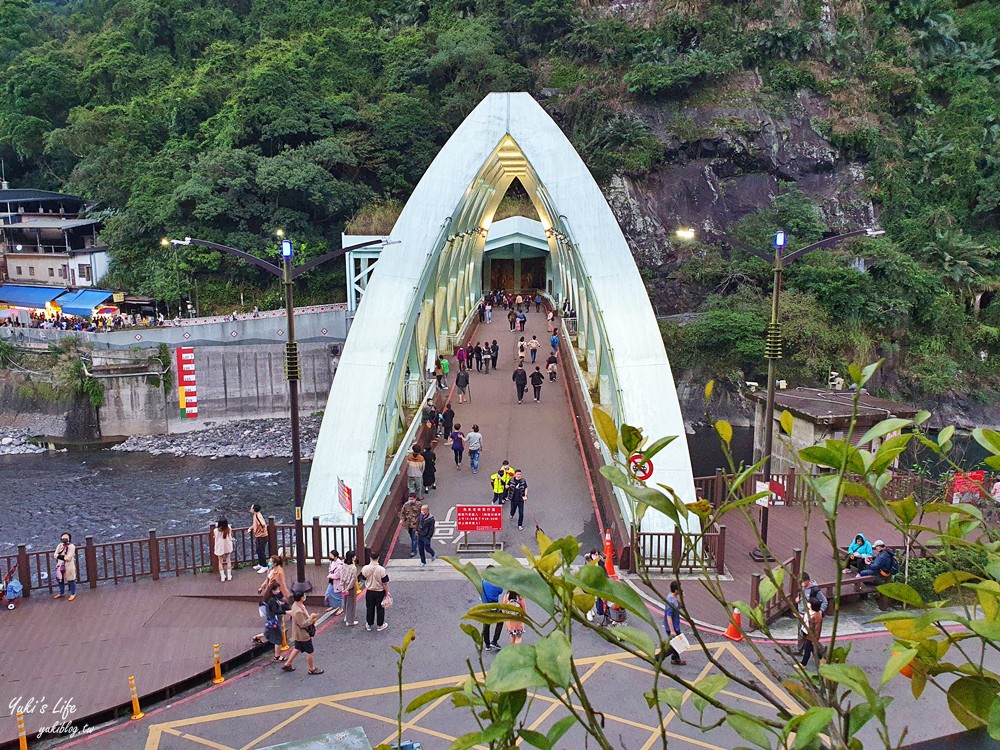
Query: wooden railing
point(794, 488)
point(664, 552)
point(155, 556)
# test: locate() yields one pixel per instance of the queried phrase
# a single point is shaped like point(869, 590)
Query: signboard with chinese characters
point(479, 518)
point(187, 390)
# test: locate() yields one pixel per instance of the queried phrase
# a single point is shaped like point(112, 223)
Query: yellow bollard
point(22, 737)
point(218, 666)
point(136, 713)
point(284, 638)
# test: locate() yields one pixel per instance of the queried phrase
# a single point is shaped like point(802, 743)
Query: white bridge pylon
point(425, 287)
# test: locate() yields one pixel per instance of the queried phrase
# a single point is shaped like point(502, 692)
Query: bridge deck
point(538, 438)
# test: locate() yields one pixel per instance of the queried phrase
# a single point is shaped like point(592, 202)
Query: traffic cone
point(735, 630)
point(609, 556)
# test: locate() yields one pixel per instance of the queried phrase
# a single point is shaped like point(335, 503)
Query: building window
point(52, 272)
point(19, 271)
point(31, 270)
point(85, 272)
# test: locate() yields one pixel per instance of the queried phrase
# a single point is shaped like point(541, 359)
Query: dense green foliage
point(225, 119)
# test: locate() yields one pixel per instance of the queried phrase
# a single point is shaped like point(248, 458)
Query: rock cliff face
point(723, 161)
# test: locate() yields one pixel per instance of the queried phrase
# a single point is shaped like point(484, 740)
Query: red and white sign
point(643, 469)
point(967, 487)
point(344, 493)
point(187, 390)
point(479, 517)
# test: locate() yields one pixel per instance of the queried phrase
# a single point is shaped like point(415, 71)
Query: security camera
point(752, 385)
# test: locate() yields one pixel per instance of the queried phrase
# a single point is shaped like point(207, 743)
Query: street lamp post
point(772, 346)
point(293, 373)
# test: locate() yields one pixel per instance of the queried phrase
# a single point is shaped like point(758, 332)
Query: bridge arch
point(426, 286)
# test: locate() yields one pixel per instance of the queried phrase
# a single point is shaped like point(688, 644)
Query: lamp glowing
point(685, 233)
point(286, 248)
point(780, 238)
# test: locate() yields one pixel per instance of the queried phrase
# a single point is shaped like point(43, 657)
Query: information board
point(479, 517)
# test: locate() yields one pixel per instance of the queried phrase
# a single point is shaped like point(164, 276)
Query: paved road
point(263, 706)
point(538, 438)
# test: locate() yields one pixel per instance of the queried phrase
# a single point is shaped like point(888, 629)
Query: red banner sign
point(479, 517)
point(966, 488)
point(344, 494)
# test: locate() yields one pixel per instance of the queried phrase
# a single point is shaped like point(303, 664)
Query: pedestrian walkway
point(538, 438)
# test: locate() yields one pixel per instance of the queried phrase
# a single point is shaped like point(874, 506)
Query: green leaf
point(638, 638)
point(787, 421)
point(429, 696)
point(945, 435)
point(889, 451)
point(655, 499)
point(468, 570)
point(616, 476)
point(951, 578)
point(466, 741)
point(671, 697)
point(595, 581)
point(606, 428)
point(514, 668)
point(849, 676)
point(554, 656)
point(567, 546)
point(896, 662)
point(821, 456)
point(709, 387)
point(711, 686)
point(749, 730)
point(631, 438)
point(725, 431)
point(988, 630)
point(970, 700)
point(657, 446)
point(902, 593)
point(989, 439)
point(867, 372)
point(883, 428)
point(994, 720)
point(906, 509)
point(535, 739)
point(810, 724)
point(921, 417)
point(525, 581)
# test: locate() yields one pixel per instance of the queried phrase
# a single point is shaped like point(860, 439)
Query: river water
point(111, 495)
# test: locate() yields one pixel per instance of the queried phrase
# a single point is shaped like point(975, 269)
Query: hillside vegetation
point(224, 119)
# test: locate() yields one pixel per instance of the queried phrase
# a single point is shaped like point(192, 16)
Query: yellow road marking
point(749, 698)
point(197, 740)
point(549, 711)
point(670, 717)
point(370, 715)
point(413, 722)
point(776, 690)
point(278, 727)
point(693, 741)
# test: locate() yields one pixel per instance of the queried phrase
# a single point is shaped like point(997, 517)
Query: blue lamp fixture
point(286, 248)
point(780, 238)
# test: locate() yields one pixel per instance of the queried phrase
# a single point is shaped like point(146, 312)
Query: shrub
point(924, 570)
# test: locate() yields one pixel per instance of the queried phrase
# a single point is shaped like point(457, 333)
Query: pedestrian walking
point(808, 591)
point(259, 530)
point(512, 319)
point(334, 598)
point(349, 580)
point(477, 353)
point(474, 442)
point(515, 628)
point(672, 623)
point(500, 480)
point(430, 416)
point(491, 595)
point(522, 347)
point(521, 320)
point(224, 549)
point(426, 525)
point(517, 493)
point(445, 369)
point(482, 312)
point(536, 383)
point(462, 385)
point(494, 353)
point(533, 348)
point(430, 469)
point(814, 630)
point(551, 364)
point(520, 378)
point(274, 607)
point(415, 466)
point(65, 555)
point(447, 420)
point(519, 300)
point(439, 374)
point(408, 516)
point(555, 342)
point(376, 581)
point(457, 438)
point(303, 630)
point(538, 303)
point(460, 356)
point(489, 313)
point(550, 321)
point(275, 574)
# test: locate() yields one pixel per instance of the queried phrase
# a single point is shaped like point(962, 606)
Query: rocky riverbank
point(17, 441)
point(247, 438)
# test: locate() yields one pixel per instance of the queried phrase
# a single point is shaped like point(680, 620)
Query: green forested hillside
point(227, 118)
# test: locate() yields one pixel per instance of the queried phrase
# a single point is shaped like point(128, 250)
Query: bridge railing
point(665, 552)
point(177, 554)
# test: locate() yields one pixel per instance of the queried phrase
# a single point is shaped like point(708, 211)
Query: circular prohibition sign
point(642, 469)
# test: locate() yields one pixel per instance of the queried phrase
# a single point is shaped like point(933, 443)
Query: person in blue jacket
point(491, 595)
point(884, 565)
point(859, 554)
point(672, 622)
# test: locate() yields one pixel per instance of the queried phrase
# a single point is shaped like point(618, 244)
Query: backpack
point(893, 568)
point(262, 609)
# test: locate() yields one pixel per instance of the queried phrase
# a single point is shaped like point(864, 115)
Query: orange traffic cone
point(735, 630)
point(609, 556)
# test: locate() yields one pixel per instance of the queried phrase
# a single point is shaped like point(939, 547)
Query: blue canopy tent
point(35, 297)
point(83, 302)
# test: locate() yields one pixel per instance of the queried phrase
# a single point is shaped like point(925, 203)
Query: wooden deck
point(161, 632)
point(790, 527)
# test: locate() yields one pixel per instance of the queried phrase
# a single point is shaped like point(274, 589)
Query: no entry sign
point(479, 517)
